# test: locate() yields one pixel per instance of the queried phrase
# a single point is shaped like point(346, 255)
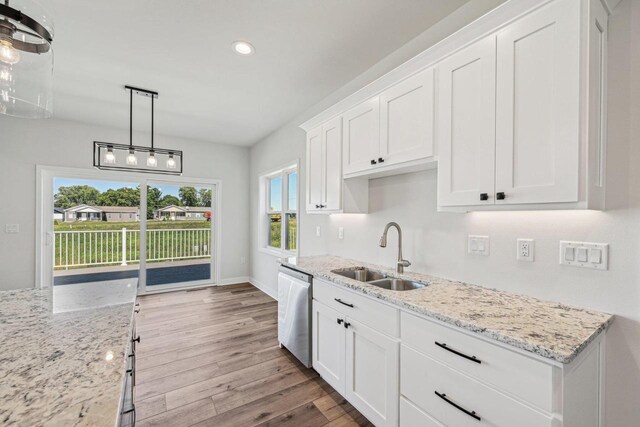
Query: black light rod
point(131, 118)
point(152, 116)
point(142, 92)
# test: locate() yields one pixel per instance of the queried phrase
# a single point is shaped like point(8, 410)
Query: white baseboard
point(264, 288)
point(234, 280)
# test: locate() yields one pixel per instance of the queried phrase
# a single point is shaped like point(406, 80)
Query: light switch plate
point(12, 228)
point(478, 245)
point(340, 233)
point(318, 231)
point(585, 255)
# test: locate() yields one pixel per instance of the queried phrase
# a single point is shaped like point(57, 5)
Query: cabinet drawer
point(411, 416)
point(376, 315)
point(524, 377)
point(454, 399)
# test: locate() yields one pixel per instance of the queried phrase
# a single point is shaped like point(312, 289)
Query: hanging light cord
point(131, 119)
point(152, 116)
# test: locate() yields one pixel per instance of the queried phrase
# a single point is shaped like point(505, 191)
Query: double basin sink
point(378, 279)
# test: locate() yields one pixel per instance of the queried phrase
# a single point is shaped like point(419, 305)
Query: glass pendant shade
point(110, 157)
point(151, 160)
point(132, 160)
point(171, 162)
point(26, 62)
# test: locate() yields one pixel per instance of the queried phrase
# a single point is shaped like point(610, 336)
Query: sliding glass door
point(98, 230)
point(179, 234)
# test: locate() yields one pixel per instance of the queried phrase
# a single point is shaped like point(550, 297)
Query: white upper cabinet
point(538, 107)
point(314, 169)
point(361, 136)
point(407, 120)
point(466, 125)
point(327, 192)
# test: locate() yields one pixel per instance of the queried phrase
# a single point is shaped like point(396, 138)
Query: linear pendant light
point(135, 158)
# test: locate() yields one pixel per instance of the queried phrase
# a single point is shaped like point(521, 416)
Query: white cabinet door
point(361, 136)
point(372, 374)
point(332, 151)
point(538, 106)
point(328, 345)
point(407, 119)
point(466, 126)
point(314, 170)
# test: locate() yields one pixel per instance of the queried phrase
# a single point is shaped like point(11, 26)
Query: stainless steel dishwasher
point(294, 313)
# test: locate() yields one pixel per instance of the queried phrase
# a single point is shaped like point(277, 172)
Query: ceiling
point(305, 50)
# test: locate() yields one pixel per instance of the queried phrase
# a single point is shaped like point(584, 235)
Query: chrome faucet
point(402, 263)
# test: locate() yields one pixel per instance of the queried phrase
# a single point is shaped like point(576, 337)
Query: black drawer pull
point(343, 303)
point(380, 160)
point(373, 162)
point(136, 339)
point(472, 358)
point(473, 414)
point(501, 196)
point(484, 196)
point(340, 321)
point(346, 325)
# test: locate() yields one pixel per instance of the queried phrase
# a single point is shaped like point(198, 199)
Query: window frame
point(266, 212)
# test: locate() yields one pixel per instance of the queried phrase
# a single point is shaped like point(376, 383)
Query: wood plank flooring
point(210, 357)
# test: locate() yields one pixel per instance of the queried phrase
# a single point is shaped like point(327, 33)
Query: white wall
point(25, 144)
point(436, 242)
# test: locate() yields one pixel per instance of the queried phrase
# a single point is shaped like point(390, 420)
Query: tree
point(73, 195)
point(125, 196)
point(188, 196)
point(169, 200)
point(204, 197)
point(153, 200)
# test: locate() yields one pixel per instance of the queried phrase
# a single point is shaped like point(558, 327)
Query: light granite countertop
point(64, 369)
point(550, 329)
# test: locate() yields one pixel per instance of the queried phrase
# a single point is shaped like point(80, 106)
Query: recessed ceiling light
point(243, 48)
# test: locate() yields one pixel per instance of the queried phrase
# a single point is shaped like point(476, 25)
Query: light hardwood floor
point(210, 357)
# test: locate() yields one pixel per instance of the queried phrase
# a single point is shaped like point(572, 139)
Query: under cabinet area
point(513, 118)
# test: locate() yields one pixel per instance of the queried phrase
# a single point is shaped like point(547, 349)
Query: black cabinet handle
point(484, 196)
point(346, 325)
point(323, 206)
point(443, 396)
point(136, 339)
point(340, 321)
point(373, 162)
point(380, 160)
point(317, 206)
point(136, 311)
point(501, 196)
point(343, 303)
point(472, 358)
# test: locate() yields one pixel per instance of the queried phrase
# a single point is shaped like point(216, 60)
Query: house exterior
point(180, 213)
point(101, 213)
point(58, 214)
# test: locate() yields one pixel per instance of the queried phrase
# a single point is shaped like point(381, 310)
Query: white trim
point(44, 197)
point(234, 280)
point(264, 288)
point(487, 24)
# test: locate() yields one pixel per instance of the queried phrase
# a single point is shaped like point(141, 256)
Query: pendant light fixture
point(26, 60)
point(135, 158)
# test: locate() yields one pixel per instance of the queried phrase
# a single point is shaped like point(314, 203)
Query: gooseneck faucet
point(402, 263)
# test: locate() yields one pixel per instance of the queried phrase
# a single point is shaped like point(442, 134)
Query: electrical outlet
point(478, 245)
point(526, 250)
point(12, 228)
point(318, 231)
point(340, 233)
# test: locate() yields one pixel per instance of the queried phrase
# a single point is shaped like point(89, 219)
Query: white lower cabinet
point(400, 368)
point(372, 373)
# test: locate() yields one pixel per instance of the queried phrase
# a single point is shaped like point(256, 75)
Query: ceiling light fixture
point(26, 60)
point(104, 153)
point(243, 48)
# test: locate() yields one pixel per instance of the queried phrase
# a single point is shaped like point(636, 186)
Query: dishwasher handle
point(296, 274)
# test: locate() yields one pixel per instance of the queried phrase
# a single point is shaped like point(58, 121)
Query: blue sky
point(276, 192)
point(103, 186)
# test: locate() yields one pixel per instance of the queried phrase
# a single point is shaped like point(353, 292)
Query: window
point(281, 211)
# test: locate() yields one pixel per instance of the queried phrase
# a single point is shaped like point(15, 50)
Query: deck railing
point(111, 247)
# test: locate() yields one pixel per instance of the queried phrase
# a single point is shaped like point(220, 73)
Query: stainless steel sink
point(361, 274)
point(397, 284)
